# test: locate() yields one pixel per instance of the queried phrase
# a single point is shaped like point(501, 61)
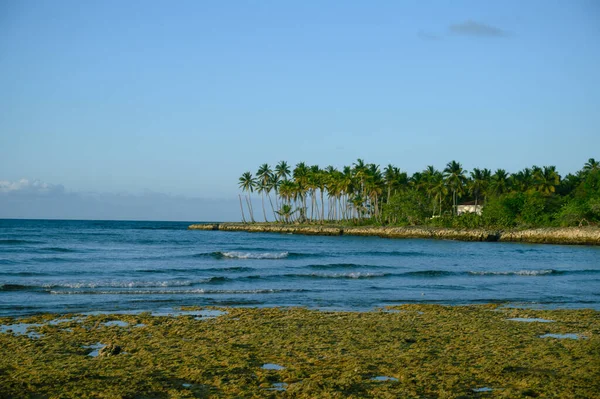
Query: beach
point(410, 351)
point(122, 309)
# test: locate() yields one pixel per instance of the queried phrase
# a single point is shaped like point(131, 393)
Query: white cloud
point(29, 187)
point(35, 199)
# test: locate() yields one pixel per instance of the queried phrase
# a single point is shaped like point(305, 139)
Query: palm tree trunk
point(242, 208)
point(249, 202)
point(262, 196)
point(272, 208)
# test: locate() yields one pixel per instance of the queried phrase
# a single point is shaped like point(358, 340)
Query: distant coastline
point(550, 235)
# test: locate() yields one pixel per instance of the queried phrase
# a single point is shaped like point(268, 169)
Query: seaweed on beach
point(410, 351)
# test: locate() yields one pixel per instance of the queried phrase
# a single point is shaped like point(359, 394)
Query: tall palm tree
point(300, 176)
point(439, 190)
point(455, 179)
point(263, 176)
point(247, 184)
point(389, 176)
point(282, 171)
point(478, 184)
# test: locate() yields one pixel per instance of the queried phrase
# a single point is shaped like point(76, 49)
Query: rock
point(109, 350)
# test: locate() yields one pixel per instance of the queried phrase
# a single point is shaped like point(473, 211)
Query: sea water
point(104, 266)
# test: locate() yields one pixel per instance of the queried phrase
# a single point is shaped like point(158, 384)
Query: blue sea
point(107, 266)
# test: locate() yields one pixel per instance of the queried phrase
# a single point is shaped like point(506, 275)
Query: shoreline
point(549, 235)
point(398, 351)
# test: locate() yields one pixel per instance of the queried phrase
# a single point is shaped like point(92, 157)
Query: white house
point(469, 207)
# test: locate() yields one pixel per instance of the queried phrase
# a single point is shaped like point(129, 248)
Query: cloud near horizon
point(476, 29)
point(26, 186)
point(27, 199)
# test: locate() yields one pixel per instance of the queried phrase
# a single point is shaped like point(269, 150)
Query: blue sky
point(142, 99)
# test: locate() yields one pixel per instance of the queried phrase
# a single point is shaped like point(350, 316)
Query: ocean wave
point(15, 287)
point(121, 284)
point(351, 275)
point(57, 249)
point(234, 269)
point(267, 255)
point(251, 255)
point(543, 272)
point(19, 242)
point(333, 266)
point(199, 291)
point(53, 259)
point(429, 273)
point(191, 270)
point(398, 253)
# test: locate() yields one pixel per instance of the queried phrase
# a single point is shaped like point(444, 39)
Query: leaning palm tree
point(263, 176)
point(247, 184)
point(455, 179)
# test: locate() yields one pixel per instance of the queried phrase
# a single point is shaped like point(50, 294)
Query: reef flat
point(409, 351)
point(551, 235)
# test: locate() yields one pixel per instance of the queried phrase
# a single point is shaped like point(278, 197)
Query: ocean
point(63, 266)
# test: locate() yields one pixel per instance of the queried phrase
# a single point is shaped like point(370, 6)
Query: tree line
point(363, 193)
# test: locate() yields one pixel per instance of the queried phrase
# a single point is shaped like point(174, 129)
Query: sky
point(153, 109)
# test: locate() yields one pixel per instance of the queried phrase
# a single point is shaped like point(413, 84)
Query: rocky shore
point(551, 235)
point(409, 351)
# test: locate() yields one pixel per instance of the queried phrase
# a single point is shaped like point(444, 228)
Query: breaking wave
point(543, 272)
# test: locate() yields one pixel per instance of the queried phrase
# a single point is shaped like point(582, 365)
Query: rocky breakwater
point(557, 235)
point(425, 232)
point(271, 228)
point(563, 235)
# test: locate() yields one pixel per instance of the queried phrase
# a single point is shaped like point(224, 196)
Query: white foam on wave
point(199, 291)
point(348, 275)
point(120, 284)
point(255, 255)
point(515, 273)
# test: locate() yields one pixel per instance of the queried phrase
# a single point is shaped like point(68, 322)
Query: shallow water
point(104, 266)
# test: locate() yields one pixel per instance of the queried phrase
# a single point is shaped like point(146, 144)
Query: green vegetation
point(427, 350)
point(363, 194)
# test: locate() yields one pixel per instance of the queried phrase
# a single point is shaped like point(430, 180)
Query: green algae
point(426, 351)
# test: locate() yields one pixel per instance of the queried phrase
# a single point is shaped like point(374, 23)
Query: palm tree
point(438, 190)
point(286, 211)
point(500, 182)
point(591, 165)
point(455, 179)
point(300, 176)
point(263, 176)
point(523, 180)
point(546, 179)
point(247, 184)
point(282, 171)
point(389, 175)
point(478, 184)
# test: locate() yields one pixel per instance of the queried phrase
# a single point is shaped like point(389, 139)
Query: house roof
point(471, 203)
